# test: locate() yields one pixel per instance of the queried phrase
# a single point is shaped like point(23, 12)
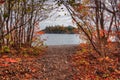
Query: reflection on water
point(60, 39)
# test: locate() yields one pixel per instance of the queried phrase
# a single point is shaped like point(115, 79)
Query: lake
point(61, 39)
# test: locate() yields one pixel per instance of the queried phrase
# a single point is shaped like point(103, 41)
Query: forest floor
point(54, 64)
point(70, 62)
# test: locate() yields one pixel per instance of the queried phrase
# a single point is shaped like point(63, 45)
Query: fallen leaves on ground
point(89, 66)
point(19, 68)
point(16, 66)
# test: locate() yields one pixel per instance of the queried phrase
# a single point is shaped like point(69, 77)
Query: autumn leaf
point(117, 71)
point(27, 76)
point(5, 56)
point(4, 65)
point(119, 6)
point(11, 60)
point(2, 1)
point(40, 32)
point(81, 7)
point(18, 59)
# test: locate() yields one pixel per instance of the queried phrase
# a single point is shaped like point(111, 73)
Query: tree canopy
point(96, 20)
point(19, 19)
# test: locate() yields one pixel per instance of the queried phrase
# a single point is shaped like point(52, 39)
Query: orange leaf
point(10, 60)
point(4, 56)
point(4, 65)
point(40, 32)
point(27, 76)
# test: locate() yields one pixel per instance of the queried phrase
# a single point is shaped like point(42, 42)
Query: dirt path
point(52, 65)
point(56, 65)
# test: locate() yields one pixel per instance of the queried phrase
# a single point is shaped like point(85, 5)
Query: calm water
point(60, 39)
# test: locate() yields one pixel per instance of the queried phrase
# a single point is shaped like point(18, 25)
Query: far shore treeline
point(61, 29)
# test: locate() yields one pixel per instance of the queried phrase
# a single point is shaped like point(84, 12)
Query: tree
point(18, 20)
point(95, 19)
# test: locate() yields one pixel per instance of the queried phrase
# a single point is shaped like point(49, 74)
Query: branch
point(70, 11)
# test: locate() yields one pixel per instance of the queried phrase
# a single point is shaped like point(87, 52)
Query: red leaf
point(119, 6)
point(2, 1)
point(4, 65)
point(10, 60)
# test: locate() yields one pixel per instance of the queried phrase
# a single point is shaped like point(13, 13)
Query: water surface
point(61, 39)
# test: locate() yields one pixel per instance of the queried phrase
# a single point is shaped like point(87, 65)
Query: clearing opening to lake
point(61, 39)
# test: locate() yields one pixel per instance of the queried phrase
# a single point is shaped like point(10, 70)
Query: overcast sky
point(57, 17)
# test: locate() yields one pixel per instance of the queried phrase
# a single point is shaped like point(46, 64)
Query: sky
point(59, 16)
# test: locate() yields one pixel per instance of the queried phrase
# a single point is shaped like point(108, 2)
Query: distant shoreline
point(60, 33)
point(69, 45)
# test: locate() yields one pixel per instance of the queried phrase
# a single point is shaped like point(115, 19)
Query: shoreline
point(65, 45)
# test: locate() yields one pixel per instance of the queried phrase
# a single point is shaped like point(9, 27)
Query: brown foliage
point(89, 66)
